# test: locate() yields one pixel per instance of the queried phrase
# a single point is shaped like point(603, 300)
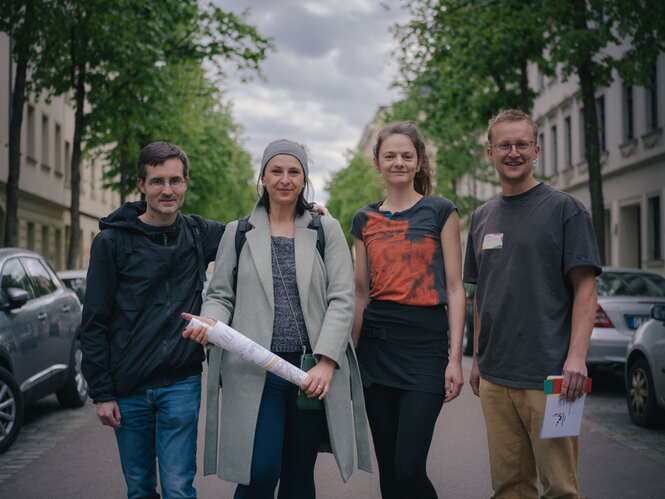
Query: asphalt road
point(67, 453)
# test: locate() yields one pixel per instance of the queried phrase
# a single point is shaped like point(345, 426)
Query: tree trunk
point(525, 101)
point(124, 162)
point(75, 232)
point(592, 143)
point(18, 100)
point(591, 135)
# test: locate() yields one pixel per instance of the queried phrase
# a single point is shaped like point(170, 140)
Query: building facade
point(633, 159)
point(44, 185)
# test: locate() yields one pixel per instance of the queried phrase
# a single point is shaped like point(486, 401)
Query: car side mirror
point(658, 312)
point(17, 297)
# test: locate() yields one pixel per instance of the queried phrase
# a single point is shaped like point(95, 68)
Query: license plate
point(636, 321)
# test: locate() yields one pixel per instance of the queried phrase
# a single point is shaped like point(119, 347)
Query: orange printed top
point(404, 251)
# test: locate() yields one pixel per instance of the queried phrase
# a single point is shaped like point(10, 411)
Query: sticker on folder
point(493, 241)
point(562, 418)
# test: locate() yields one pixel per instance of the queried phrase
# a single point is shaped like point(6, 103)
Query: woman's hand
point(198, 334)
point(454, 380)
point(317, 382)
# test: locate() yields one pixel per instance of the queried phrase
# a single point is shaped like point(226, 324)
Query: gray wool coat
point(326, 291)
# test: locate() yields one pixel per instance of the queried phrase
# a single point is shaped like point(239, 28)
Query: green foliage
point(126, 65)
point(352, 188)
point(188, 112)
point(461, 62)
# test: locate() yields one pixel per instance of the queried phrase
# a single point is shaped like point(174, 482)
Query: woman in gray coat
point(289, 297)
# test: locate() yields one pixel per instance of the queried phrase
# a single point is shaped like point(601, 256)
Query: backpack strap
point(196, 234)
point(315, 224)
point(123, 245)
point(241, 236)
point(245, 226)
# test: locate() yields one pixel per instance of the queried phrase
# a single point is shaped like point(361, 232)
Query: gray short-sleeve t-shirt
point(519, 252)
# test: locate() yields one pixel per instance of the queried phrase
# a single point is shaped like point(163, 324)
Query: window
point(30, 136)
point(41, 278)
point(600, 113)
point(654, 235)
point(46, 149)
point(14, 276)
point(555, 158)
point(652, 103)
point(628, 114)
point(569, 142)
point(541, 156)
point(58, 148)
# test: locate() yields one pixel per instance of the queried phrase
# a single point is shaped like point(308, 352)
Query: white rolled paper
point(229, 339)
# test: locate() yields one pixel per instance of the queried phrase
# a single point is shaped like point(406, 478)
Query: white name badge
point(493, 241)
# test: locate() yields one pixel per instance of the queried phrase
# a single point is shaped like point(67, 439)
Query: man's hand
point(573, 385)
point(320, 209)
point(109, 413)
point(200, 333)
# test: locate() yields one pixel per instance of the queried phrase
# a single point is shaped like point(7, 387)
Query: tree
point(188, 111)
point(460, 62)
point(351, 188)
point(106, 47)
point(577, 34)
point(23, 22)
point(463, 61)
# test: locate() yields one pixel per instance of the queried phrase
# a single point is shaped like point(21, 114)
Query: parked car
point(645, 371)
point(40, 349)
point(625, 297)
point(75, 280)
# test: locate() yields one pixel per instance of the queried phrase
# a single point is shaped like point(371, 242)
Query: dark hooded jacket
point(140, 279)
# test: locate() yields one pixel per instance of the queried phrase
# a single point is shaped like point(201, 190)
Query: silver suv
point(40, 351)
point(645, 371)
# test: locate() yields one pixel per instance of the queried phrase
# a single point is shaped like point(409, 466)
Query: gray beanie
point(283, 146)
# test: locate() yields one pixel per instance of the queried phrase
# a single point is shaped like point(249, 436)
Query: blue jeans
point(160, 424)
point(286, 443)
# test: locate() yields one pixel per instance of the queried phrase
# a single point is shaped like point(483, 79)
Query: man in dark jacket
point(147, 265)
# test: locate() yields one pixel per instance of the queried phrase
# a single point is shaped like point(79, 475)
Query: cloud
point(332, 70)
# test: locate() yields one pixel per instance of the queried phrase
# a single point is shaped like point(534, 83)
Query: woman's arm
point(335, 329)
point(362, 287)
point(451, 247)
point(333, 338)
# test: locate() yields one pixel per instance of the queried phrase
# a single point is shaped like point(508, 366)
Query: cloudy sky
point(332, 69)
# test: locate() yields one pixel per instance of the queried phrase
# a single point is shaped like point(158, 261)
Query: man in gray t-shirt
point(532, 253)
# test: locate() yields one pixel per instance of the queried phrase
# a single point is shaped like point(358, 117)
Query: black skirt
point(404, 358)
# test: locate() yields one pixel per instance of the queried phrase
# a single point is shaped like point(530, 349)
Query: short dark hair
point(422, 182)
point(511, 115)
point(157, 153)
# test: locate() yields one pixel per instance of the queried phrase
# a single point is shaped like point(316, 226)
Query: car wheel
point(75, 391)
point(11, 409)
point(640, 394)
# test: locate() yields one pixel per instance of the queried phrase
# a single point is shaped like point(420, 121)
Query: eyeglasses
point(521, 145)
point(159, 183)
